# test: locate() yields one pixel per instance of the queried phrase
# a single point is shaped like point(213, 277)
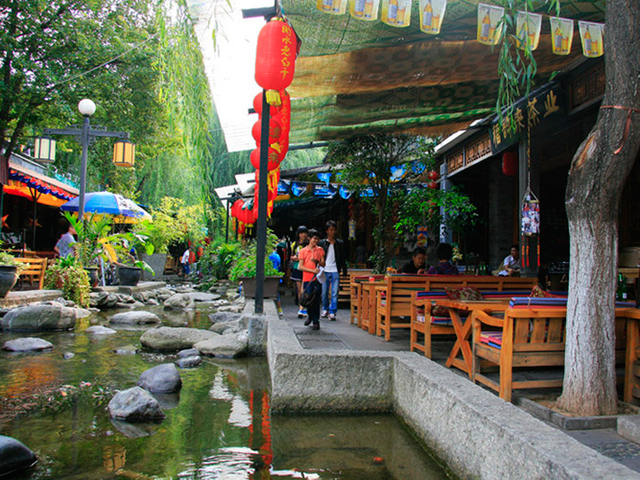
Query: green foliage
point(517, 67)
point(90, 231)
point(367, 162)
point(9, 260)
point(217, 260)
point(245, 261)
point(422, 206)
point(72, 280)
point(119, 248)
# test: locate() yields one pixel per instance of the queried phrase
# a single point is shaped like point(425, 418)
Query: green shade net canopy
point(356, 77)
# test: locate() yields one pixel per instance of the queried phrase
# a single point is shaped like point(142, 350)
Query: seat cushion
point(463, 293)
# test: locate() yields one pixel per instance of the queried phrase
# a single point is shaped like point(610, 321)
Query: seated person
point(416, 265)
point(511, 264)
point(444, 267)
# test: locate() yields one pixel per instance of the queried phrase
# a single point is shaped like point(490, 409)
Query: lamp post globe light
point(124, 151)
point(86, 108)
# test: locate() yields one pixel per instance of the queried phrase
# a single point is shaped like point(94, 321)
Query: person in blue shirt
point(276, 262)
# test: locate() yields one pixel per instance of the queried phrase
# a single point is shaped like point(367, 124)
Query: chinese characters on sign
point(527, 113)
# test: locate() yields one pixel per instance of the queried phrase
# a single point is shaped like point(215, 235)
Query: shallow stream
point(218, 426)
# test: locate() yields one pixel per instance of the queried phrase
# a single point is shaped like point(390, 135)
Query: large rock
point(33, 318)
point(163, 378)
point(179, 301)
point(221, 317)
point(14, 455)
point(100, 330)
point(136, 317)
point(204, 297)
point(174, 338)
point(229, 346)
point(189, 362)
point(29, 344)
point(98, 299)
point(224, 328)
point(135, 405)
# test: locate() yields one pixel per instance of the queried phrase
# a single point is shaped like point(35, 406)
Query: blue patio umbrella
point(107, 203)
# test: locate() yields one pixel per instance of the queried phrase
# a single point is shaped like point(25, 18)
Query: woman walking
point(300, 242)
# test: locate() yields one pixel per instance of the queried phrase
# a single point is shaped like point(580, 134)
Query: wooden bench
point(424, 324)
point(527, 336)
point(33, 270)
point(393, 302)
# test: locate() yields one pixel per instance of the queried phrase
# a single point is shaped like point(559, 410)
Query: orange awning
point(19, 189)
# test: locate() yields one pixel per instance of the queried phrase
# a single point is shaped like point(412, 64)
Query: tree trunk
point(597, 177)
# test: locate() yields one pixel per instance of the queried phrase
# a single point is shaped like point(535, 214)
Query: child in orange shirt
point(311, 257)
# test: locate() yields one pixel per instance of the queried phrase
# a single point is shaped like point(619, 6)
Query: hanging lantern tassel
point(273, 98)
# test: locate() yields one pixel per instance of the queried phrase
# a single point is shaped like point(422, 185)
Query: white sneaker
point(324, 314)
point(332, 316)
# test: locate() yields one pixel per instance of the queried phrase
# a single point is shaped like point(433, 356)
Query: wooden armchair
point(33, 270)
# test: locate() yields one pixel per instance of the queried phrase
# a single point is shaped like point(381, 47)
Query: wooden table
point(367, 316)
point(463, 329)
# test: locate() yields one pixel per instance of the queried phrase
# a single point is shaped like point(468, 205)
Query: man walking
point(335, 262)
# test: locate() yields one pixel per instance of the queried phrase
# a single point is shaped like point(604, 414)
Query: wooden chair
point(33, 270)
point(531, 336)
point(393, 302)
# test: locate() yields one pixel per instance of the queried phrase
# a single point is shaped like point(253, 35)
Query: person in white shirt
point(511, 264)
point(185, 262)
point(335, 262)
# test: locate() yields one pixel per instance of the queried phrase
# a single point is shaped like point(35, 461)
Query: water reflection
point(218, 426)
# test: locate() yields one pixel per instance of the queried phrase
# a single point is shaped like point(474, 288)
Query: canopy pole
point(261, 233)
point(226, 236)
point(1, 204)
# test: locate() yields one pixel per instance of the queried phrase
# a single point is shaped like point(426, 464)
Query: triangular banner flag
point(528, 27)
point(366, 10)
point(591, 36)
point(333, 7)
point(562, 34)
point(488, 18)
point(431, 15)
point(396, 13)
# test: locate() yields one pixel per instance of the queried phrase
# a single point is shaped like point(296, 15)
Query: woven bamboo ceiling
point(355, 77)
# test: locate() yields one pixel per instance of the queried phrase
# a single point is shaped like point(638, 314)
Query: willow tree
point(598, 173)
point(367, 163)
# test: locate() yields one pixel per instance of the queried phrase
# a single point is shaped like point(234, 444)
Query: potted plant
point(89, 247)
point(244, 269)
point(160, 233)
point(9, 271)
point(122, 249)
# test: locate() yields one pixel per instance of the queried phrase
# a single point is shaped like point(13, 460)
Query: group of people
point(510, 266)
point(317, 264)
point(316, 267)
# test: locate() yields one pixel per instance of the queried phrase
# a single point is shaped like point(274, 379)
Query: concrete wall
point(476, 433)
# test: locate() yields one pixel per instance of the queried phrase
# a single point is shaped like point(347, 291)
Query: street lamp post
point(85, 134)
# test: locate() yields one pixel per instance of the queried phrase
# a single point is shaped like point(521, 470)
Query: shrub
point(72, 280)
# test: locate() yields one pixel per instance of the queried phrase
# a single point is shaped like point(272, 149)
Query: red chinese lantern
point(275, 58)
point(432, 185)
point(275, 156)
point(510, 164)
point(275, 130)
point(257, 105)
point(284, 113)
point(235, 208)
point(432, 175)
point(245, 215)
point(241, 228)
point(272, 192)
